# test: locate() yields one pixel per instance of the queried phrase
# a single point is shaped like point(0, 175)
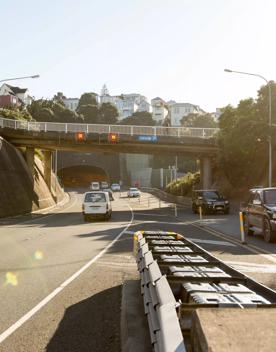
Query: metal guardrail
point(178, 277)
point(176, 132)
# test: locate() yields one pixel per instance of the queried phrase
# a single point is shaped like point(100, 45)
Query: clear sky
point(174, 49)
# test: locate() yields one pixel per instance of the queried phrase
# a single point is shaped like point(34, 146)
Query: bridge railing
point(177, 132)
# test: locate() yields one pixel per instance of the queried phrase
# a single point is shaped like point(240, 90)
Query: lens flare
point(11, 279)
point(38, 255)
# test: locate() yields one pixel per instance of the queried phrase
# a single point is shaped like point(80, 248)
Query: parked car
point(115, 187)
point(96, 204)
point(133, 192)
point(104, 185)
point(211, 201)
point(259, 213)
point(95, 186)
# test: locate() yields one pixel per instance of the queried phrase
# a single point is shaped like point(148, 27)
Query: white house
point(71, 103)
point(217, 114)
point(144, 106)
point(159, 110)
point(126, 104)
point(22, 94)
point(180, 110)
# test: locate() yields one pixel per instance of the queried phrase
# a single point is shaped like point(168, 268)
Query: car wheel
point(246, 226)
point(194, 209)
point(85, 218)
point(226, 211)
point(269, 235)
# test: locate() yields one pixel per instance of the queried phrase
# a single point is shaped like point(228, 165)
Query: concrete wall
point(19, 193)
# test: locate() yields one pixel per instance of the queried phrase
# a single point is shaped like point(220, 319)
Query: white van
point(95, 186)
point(96, 204)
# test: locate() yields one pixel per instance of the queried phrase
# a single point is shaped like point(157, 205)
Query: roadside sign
point(147, 138)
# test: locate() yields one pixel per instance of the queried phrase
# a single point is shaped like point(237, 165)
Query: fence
point(177, 132)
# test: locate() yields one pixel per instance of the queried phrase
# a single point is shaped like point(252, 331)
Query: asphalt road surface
point(61, 278)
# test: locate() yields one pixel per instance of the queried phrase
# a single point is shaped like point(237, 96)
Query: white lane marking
point(253, 267)
point(144, 214)
point(44, 216)
point(220, 243)
point(130, 232)
point(47, 299)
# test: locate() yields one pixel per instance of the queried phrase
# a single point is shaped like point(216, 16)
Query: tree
point(90, 113)
point(46, 115)
point(139, 118)
point(15, 113)
point(52, 111)
point(243, 143)
point(59, 98)
point(108, 114)
point(87, 99)
point(262, 102)
point(195, 120)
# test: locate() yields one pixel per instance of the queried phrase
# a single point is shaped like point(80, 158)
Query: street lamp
point(269, 120)
point(16, 78)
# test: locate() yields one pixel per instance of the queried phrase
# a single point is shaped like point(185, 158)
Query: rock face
point(18, 194)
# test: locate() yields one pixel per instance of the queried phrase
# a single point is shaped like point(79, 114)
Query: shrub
point(184, 185)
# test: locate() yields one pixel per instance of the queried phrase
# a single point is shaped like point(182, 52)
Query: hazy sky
point(175, 49)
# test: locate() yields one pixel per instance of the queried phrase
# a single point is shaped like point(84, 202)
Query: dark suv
point(211, 201)
point(259, 213)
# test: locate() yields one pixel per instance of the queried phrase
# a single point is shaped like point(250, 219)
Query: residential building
point(159, 110)
point(144, 106)
point(217, 114)
point(14, 96)
point(126, 104)
point(180, 110)
point(71, 103)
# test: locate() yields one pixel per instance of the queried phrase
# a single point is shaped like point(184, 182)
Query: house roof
point(17, 90)
point(157, 98)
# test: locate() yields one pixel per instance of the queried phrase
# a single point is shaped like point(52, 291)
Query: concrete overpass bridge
point(50, 136)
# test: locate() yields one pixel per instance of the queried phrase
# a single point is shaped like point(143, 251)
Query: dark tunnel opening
point(81, 175)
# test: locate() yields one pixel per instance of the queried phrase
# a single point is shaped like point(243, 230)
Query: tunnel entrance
point(81, 175)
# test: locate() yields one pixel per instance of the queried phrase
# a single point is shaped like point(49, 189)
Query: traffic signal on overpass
point(113, 137)
point(80, 136)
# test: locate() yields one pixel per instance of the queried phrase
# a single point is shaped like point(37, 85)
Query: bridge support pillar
point(30, 161)
point(206, 172)
point(47, 168)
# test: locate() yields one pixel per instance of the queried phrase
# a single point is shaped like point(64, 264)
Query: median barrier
point(178, 278)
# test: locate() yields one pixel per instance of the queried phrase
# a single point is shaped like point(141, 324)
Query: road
point(61, 278)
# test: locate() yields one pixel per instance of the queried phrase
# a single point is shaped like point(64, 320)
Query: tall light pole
point(16, 78)
point(269, 119)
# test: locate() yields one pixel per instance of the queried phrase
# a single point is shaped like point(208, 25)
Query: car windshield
point(95, 198)
point(211, 195)
point(133, 189)
point(270, 196)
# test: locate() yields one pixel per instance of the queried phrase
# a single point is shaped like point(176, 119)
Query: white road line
point(144, 214)
point(47, 299)
point(220, 243)
point(130, 232)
